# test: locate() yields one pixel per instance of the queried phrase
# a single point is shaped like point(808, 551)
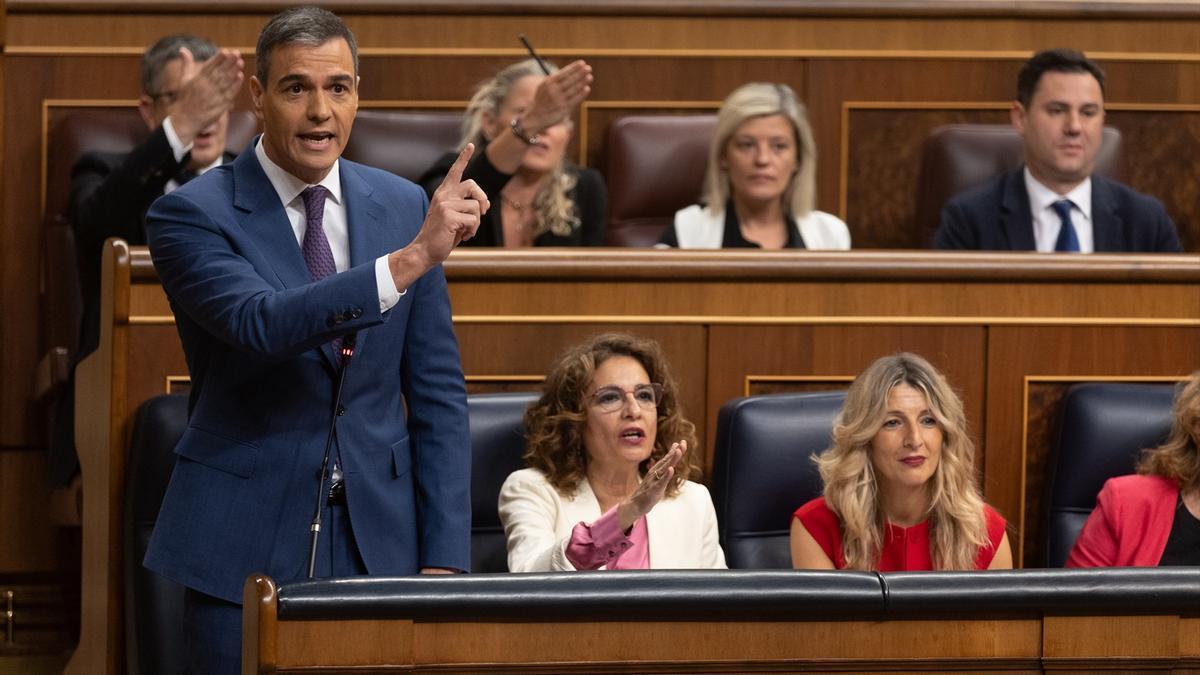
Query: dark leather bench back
point(1103, 427)
point(763, 471)
point(153, 604)
point(404, 142)
point(655, 166)
point(497, 444)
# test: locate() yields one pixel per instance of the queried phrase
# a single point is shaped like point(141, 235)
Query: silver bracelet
point(519, 131)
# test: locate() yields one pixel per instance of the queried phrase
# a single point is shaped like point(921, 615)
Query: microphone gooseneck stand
point(347, 352)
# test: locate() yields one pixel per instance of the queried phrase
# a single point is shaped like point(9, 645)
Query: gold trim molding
point(748, 380)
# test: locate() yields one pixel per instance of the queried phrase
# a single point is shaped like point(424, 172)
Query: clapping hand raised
point(652, 488)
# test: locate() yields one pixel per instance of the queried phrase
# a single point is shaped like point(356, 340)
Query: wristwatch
point(519, 131)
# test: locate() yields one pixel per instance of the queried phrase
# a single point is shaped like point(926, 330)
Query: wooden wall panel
point(1160, 161)
point(883, 168)
point(26, 543)
point(1019, 355)
point(738, 353)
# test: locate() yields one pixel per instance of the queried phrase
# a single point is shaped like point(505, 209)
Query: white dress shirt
point(1047, 224)
point(334, 221)
point(179, 150)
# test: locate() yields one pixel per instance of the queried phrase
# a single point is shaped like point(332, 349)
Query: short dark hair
point(309, 26)
point(1054, 61)
point(159, 54)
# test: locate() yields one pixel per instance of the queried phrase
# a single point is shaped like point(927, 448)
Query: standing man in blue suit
point(269, 262)
point(1055, 203)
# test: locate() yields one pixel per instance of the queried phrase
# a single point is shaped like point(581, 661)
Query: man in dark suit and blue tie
point(269, 262)
point(1055, 202)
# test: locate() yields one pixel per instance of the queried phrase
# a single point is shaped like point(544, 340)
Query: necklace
point(514, 205)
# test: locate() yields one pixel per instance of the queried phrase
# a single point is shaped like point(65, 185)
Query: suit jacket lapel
point(1107, 228)
point(266, 222)
point(1016, 216)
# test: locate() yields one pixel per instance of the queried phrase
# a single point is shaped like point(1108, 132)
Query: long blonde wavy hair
point(958, 527)
point(553, 210)
point(1179, 457)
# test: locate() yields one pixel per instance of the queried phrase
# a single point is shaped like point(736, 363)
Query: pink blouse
point(604, 544)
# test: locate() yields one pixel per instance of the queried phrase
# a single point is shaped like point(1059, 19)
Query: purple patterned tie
point(318, 256)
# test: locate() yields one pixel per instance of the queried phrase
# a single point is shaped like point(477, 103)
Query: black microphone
point(347, 351)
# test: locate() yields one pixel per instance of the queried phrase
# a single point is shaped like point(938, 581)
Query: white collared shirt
point(178, 149)
point(1047, 224)
point(334, 221)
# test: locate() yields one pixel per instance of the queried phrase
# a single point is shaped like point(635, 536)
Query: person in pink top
point(1151, 519)
point(901, 491)
point(608, 486)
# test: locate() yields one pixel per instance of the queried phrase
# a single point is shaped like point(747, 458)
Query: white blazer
point(538, 522)
point(697, 227)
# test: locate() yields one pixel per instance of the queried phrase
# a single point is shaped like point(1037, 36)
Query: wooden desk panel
point(732, 323)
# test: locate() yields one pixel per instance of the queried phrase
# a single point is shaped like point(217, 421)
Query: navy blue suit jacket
point(996, 217)
point(255, 330)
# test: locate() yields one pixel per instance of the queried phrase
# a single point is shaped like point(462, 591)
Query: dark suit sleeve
point(1166, 234)
point(218, 288)
point(955, 231)
point(591, 200)
point(110, 196)
point(432, 383)
point(434, 392)
point(669, 237)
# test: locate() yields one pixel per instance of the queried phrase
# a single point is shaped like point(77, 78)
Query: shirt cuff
point(597, 544)
point(177, 146)
point(389, 295)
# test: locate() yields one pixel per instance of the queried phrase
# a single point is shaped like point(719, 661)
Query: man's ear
point(146, 110)
point(1016, 115)
point(256, 96)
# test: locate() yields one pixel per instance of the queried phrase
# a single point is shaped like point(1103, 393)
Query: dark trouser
point(213, 627)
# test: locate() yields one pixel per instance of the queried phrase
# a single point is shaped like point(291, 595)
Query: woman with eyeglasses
point(608, 486)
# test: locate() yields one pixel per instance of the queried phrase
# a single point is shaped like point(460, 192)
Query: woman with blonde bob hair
point(1151, 519)
point(900, 484)
point(608, 481)
point(520, 123)
point(760, 187)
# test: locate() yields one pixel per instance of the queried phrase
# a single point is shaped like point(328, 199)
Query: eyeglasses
point(609, 399)
point(167, 97)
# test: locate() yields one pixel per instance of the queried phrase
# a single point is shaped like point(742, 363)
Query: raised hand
point(652, 488)
point(206, 92)
point(454, 216)
point(557, 96)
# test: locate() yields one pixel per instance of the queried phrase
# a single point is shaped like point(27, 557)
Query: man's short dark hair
point(166, 50)
point(308, 26)
point(1054, 61)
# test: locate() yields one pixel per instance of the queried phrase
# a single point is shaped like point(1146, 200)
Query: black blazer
point(996, 217)
point(110, 194)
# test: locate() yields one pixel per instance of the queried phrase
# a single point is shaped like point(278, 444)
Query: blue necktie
point(318, 255)
point(1068, 241)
